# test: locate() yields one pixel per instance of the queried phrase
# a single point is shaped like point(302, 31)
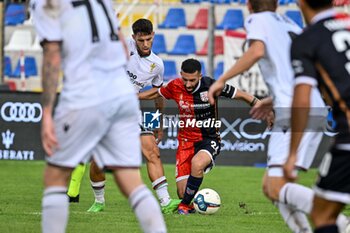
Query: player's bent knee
point(200, 162)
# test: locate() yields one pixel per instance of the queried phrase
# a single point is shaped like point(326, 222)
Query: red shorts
point(187, 150)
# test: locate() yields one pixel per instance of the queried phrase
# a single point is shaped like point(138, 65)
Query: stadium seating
point(191, 1)
point(201, 20)
point(159, 45)
point(30, 67)
point(15, 14)
point(170, 71)
point(295, 15)
point(219, 47)
point(221, 1)
point(233, 19)
point(219, 70)
point(185, 44)
point(8, 66)
point(175, 18)
point(36, 45)
point(20, 40)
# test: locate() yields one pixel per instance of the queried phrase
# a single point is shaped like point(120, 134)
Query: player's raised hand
point(48, 134)
point(215, 90)
point(289, 168)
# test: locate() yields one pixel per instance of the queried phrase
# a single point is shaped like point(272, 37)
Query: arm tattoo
point(51, 68)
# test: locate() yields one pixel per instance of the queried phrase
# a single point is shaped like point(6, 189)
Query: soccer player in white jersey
point(269, 35)
point(97, 111)
point(144, 68)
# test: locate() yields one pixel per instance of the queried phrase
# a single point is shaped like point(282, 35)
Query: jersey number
point(341, 41)
point(215, 147)
point(95, 36)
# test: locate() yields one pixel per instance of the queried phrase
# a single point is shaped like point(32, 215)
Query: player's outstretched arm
point(149, 94)
point(246, 97)
point(50, 69)
point(248, 59)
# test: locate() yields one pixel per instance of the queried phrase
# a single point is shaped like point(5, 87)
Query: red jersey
point(197, 119)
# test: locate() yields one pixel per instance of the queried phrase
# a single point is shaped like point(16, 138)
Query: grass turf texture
point(244, 208)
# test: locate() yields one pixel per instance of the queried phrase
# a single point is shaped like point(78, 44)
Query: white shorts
point(109, 132)
point(278, 151)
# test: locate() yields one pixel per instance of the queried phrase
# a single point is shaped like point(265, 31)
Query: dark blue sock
point(327, 229)
point(192, 187)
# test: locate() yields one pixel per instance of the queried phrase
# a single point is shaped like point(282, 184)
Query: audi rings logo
point(21, 112)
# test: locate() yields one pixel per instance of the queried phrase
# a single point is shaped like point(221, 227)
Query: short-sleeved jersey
point(326, 44)
point(144, 71)
point(276, 32)
point(194, 107)
point(92, 55)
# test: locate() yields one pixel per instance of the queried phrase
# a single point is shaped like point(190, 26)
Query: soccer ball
point(207, 201)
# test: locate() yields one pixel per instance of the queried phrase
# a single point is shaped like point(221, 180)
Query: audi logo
point(21, 112)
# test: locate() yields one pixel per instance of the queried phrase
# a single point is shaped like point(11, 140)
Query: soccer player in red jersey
point(199, 138)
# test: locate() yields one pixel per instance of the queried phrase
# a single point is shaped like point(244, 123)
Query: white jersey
point(93, 60)
point(276, 31)
point(144, 71)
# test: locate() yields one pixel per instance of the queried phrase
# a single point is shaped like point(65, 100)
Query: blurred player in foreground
point(198, 144)
point(270, 35)
point(97, 112)
point(320, 58)
point(144, 68)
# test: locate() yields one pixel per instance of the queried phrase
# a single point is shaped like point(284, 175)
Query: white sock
point(160, 185)
point(302, 197)
point(147, 210)
point(301, 220)
point(288, 216)
point(54, 210)
point(298, 196)
point(99, 190)
point(342, 223)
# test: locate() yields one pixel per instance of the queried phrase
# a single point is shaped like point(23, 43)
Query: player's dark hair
point(191, 66)
point(263, 5)
point(143, 26)
point(319, 4)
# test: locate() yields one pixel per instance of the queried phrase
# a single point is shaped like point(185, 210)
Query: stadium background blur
point(208, 30)
point(181, 26)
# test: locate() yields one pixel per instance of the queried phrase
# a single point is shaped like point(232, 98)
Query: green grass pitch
point(244, 208)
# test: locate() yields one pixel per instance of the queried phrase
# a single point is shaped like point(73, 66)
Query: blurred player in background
point(144, 68)
point(97, 112)
point(270, 35)
point(320, 58)
point(198, 146)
